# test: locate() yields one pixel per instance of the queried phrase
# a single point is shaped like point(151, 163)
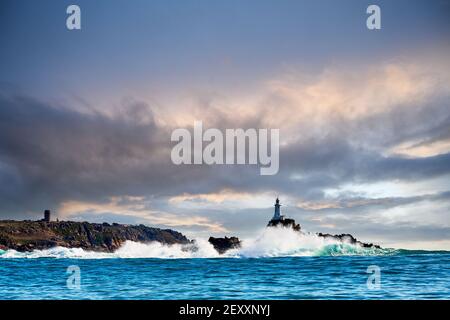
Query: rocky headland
point(30, 235)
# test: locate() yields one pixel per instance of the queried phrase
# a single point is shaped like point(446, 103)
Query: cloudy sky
point(86, 116)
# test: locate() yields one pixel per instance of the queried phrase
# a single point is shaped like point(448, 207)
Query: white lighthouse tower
point(277, 215)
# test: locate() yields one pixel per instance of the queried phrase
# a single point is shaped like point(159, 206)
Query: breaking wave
point(271, 242)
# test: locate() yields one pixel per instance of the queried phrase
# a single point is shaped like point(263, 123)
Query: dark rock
point(347, 238)
point(224, 244)
point(287, 223)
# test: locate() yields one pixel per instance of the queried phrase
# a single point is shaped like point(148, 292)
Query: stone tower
point(47, 215)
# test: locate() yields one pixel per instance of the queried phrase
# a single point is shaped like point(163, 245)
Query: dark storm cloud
point(49, 154)
point(357, 151)
point(332, 162)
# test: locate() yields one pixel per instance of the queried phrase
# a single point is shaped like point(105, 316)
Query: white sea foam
point(271, 242)
point(282, 242)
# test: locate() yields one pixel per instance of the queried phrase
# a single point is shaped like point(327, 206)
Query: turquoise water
point(404, 275)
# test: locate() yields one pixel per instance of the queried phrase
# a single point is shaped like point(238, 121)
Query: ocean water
point(276, 265)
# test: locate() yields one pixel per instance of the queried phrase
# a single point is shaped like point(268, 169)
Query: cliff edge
point(30, 235)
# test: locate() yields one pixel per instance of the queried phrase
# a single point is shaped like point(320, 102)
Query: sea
point(277, 264)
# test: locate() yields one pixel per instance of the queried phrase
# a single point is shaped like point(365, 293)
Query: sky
point(86, 115)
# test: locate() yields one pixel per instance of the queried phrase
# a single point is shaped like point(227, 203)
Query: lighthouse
point(277, 215)
point(279, 220)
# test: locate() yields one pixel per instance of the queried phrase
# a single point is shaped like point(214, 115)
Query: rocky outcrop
point(347, 238)
point(30, 235)
point(224, 244)
point(287, 223)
